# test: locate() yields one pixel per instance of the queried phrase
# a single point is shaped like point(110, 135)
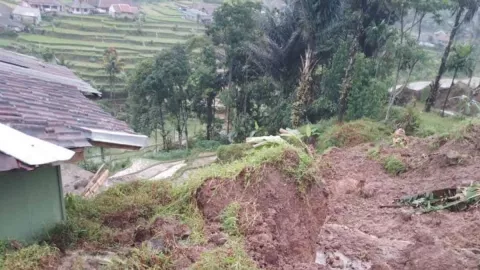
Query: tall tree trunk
point(395, 93)
point(230, 86)
point(185, 122)
point(304, 93)
point(448, 93)
point(420, 26)
point(443, 65)
point(347, 81)
point(210, 117)
point(162, 128)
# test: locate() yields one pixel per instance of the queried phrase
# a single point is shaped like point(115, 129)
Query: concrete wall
point(30, 202)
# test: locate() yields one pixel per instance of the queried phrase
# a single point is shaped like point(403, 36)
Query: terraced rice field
point(81, 39)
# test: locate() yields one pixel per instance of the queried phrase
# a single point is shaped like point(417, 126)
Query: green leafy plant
point(230, 217)
point(393, 165)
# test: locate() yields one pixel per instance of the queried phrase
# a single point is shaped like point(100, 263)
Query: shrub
point(229, 219)
point(394, 166)
point(207, 145)
point(142, 258)
point(409, 120)
point(352, 133)
point(229, 153)
point(34, 257)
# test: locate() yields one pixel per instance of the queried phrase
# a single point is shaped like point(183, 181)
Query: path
point(147, 169)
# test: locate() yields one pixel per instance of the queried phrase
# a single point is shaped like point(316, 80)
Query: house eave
point(115, 139)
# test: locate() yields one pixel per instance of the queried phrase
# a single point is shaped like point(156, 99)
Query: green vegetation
point(394, 166)
point(230, 218)
point(33, 257)
point(231, 256)
point(229, 153)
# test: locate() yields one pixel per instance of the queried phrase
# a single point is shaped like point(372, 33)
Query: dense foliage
point(271, 69)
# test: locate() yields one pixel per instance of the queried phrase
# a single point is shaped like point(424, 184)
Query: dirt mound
point(280, 224)
point(366, 231)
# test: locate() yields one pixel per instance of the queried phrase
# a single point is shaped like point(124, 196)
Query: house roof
point(205, 7)
point(107, 3)
point(5, 20)
point(17, 146)
point(124, 8)
point(78, 4)
point(26, 11)
point(41, 105)
point(44, 2)
point(35, 67)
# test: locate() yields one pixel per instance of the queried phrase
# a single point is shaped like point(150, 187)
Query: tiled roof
point(46, 71)
point(44, 2)
point(107, 3)
point(47, 108)
point(205, 7)
point(80, 4)
point(26, 11)
point(124, 8)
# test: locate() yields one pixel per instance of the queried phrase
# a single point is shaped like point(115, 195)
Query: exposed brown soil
point(359, 234)
point(280, 224)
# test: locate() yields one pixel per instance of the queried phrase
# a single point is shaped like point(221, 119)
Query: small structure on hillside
point(103, 6)
point(50, 104)
point(6, 22)
point(46, 5)
point(27, 15)
point(199, 12)
point(123, 11)
point(80, 8)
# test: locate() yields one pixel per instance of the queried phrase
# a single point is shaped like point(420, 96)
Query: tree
point(408, 56)
point(172, 69)
point(113, 65)
point(146, 101)
point(233, 28)
point(204, 84)
point(459, 60)
point(464, 11)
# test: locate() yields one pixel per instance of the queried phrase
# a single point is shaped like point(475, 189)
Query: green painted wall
point(30, 202)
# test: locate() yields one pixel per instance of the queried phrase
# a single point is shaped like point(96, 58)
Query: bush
point(409, 120)
point(34, 257)
point(352, 133)
point(394, 166)
point(207, 145)
point(9, 34)
point(229, 153)
point(229, 219)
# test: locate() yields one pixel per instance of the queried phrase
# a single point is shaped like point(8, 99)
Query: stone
point(218, 239)
point(156, 244)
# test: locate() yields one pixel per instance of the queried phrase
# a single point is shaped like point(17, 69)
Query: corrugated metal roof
point(30, 150)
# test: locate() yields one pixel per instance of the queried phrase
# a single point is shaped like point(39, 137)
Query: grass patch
point(229, 219)
point(393, 165)
point(374, 153)
point(34, 257)
point(352, 133)
point(231, 152)
point(142, 258)
point(232, 256)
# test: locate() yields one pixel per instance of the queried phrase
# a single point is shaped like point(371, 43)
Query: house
point(199, 12)
point(441, 38)
point(46, 118)
point(27, 15)
point(6, 22)
point(46, 5)
point(80, 7)
point(103, 6)
point(123, 11)
point(196, 16)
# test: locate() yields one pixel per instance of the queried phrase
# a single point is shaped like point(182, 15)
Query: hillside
point(81, 39)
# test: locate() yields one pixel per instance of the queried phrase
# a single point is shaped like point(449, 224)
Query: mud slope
point(279, 223)
point(359, 234)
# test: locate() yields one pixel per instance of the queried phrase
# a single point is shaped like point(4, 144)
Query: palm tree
point(291, 47)
point(113, 65)
point(465, 9)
